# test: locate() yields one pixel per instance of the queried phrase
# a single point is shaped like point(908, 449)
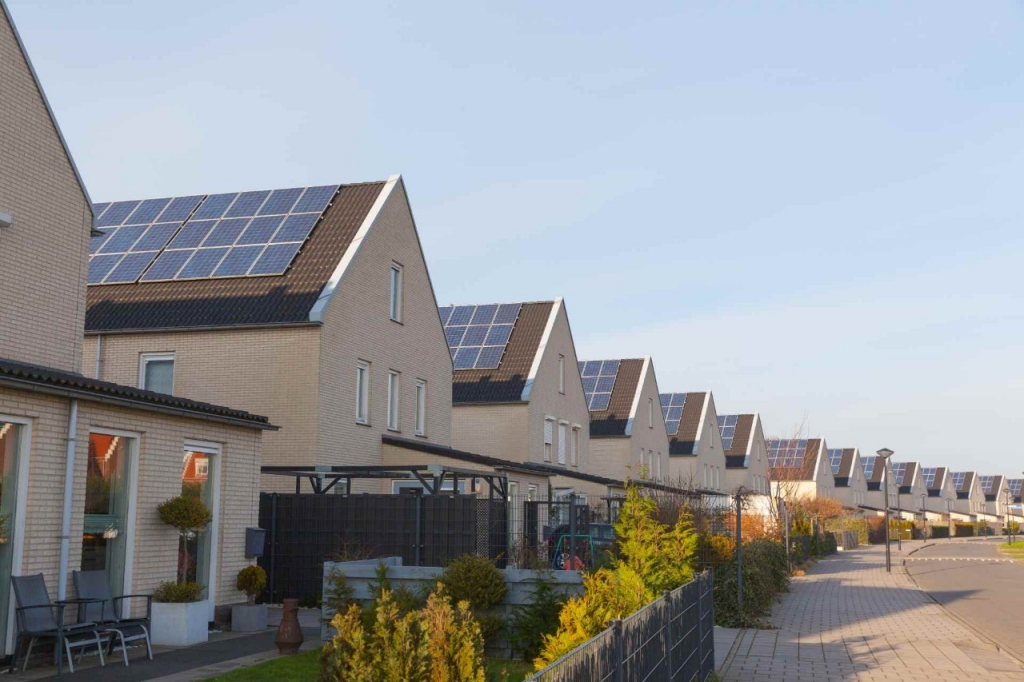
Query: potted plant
point(180, 613)
point(250, 617)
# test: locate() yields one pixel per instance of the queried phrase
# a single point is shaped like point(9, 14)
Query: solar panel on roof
point(98, 209)
point(835, 459)
point(928, 474)
point(601, 375)
point(869, 466)
point(787, 452)
point(899, 470)
point(958, 479)
point(727, 425)
point(478, 335)
point(986, 483)
point(672, 408)
point(1015, 486)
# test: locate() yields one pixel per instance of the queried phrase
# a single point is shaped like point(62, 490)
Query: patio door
point(14, 444)
point(109, 488)
point(197, 555)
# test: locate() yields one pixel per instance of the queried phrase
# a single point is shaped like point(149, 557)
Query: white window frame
point(421, 407)
point(574, 445)
point(561, 374)
point(17, 534)
point(394, 421)
point(132, 452)
point(396, 286)
point(146, 358)
point(563, 436)
point(214, 451)
point(531, 492)
point(650, 413)
point(549, 437)
point(363, 392)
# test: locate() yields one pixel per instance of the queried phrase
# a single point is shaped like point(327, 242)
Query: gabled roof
point(844, 472)
point(684, 440)
point(795, 459)
point(992, 486)
point(737, 455)
point(966, 487)
point(875, 466)
point(290, 298)
point(57, 382)
point(510, 381)
point(615, 421)
point(906, 481)
point(935, 489)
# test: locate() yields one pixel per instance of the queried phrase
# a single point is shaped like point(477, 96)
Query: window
point(549, 437)
point(421, 407)
point(561, 374)
point(657, 467)
point(363, 392)
point(14, 445)
point(196, 560)
point(574, 446)
point(108, 491)
point(563, 427)
point(395, 310)
point(156, 372)
point(394, 386)
point(531, 492)
point(650, 413)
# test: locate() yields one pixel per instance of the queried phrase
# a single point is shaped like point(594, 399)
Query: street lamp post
point(885, 454)
point(1009, 538)
point(924, 516)
point(899, 519)
point(949, 513)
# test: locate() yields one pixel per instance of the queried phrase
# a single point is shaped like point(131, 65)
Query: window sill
point(396, 321)
point(359, 423)
point(420, 435)
point(394, 430)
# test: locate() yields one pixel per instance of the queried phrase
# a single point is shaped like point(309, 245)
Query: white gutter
point(99, 346)
point(69, 489)
point(556, 306)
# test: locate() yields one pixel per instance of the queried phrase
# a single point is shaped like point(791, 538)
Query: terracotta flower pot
point(289, 634)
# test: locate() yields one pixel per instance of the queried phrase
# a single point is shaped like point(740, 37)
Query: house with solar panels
point(848, 474)
point(913, 494)
point(876, 471)
point(799, 468)
point(746, 453)
point(517, 394)
point(970, 500)
point(312, 305)
point(938, 481)
point(627, 429)
point(86, 463)
point(696, 456)
point(997, 497)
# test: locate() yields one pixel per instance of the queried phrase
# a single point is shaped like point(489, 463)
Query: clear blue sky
point(812, 209)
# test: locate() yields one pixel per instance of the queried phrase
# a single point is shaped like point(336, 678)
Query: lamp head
point(885, 453)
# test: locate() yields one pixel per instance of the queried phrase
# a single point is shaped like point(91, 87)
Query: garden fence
point(670, 639)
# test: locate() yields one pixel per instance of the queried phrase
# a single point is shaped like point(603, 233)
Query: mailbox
point(254, 540)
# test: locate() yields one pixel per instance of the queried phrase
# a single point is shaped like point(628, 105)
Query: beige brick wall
point(492, 430)
point(357, 327)
point(271, 372)
point(161, 441)
point(755, 476)
point(45, 251)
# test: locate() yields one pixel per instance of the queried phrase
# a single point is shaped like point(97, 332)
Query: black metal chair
point(39, 618)
point(104, 609)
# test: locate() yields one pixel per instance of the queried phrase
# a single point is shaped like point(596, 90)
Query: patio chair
point(39, 618)
point(104, 609)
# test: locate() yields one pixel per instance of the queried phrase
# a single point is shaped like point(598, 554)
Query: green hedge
point(765, 575)
point(964, 530)
point(940, 532)
point(855, 523)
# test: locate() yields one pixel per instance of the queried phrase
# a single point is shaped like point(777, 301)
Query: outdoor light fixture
point(5, 219)
point(885, 454)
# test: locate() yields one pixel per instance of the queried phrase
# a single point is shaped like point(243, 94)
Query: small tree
point(251, 580)
point(190, 516)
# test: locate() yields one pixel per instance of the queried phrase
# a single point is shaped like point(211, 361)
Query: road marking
point(958, 558)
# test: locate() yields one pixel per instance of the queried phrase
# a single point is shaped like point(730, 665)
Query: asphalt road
point(973, 581)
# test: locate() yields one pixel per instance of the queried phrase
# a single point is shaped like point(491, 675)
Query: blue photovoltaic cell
point(281, 201)
point(1015, 485)
point(296, 227)
point(986, 483)
point(899, 470)
point(166, 266)
point(155, 237)
point(869, 466)
point(122, 239)
point(315, 199)
point(274, 259)
point(835, 458)
point(100, 267)
point(116, 213)
point(260, 230)
point(605, 372)
point(179, 209)
point(787, 452)
point(672, 407)
point(147, 211)
point(727, 427)
point(928, 474)
point(225, 232)
point(96, 242)
point(214, 206)
point(129, 268)
point(477, 335)
point(958, 479)
point(238, 261)
point(247, 204)
point(192, 234)
point(98, 209)
point(202, 263)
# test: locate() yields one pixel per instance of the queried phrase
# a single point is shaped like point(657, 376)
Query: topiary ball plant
point(251, 580)
point(190, 516)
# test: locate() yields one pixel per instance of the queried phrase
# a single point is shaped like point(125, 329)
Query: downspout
point(69, 489)
point(99, 348)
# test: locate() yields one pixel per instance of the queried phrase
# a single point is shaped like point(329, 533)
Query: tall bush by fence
point(671, 639)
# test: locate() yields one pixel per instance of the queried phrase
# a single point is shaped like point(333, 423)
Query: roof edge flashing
point(556, 305)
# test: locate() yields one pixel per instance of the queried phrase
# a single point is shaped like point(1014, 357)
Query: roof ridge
point(240, 191)
point(477, 305)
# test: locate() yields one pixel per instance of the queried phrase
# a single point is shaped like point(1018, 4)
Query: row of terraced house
point(217, 339)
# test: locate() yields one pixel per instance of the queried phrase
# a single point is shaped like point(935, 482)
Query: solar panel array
point(787, 452)
point(928, 474)
point(727, 425)
point(672, 407)
point(478, 334)
point(986, 483)
point(1015, 485)
point(869, 466)
point(199, 237)
point(899, 470)
point(958, 479)
point(835, 458)
point(598, 381)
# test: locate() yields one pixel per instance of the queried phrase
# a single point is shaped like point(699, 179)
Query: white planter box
point(180, 624)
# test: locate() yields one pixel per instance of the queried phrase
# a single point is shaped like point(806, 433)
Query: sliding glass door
point(11, 436)
point(197, 553)
point(107, 491)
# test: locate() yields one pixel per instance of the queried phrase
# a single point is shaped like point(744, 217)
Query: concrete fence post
point(666, 631)
point(619, 655)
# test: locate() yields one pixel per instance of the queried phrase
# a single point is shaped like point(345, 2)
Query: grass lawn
point(305, 666)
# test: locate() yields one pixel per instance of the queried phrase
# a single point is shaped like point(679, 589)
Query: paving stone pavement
point(848, 619)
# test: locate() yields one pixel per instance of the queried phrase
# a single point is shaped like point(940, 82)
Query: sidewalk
point(847, 619)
